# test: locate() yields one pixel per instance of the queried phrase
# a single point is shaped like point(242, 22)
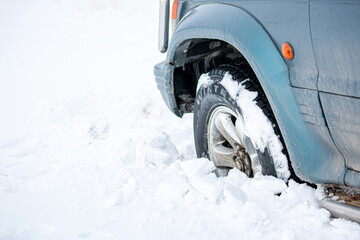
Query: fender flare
point(240, 29)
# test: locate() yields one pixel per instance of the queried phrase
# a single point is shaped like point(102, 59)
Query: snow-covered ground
point(88, 149)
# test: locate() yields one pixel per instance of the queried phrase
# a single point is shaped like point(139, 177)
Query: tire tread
point(245, 75)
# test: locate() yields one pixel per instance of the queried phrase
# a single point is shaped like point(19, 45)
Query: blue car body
point(315, 97)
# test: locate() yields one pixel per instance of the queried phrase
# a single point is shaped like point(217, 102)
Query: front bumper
point(164, 78)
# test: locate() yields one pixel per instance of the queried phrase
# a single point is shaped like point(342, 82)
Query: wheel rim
point(228, 145)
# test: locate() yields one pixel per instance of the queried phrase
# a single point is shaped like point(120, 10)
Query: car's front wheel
point(234, 126)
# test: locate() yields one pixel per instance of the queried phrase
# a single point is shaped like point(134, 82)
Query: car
point(274, 87)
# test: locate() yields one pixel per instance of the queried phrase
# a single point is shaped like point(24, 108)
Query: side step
point(341, 210)
point(342, 201)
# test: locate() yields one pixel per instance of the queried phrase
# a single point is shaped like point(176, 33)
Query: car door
point(335, 29)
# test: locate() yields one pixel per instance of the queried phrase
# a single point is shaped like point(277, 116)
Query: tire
point(222, 132)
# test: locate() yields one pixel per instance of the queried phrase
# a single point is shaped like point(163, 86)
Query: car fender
point(239, 28)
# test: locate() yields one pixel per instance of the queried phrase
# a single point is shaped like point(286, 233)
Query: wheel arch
point(241, 30)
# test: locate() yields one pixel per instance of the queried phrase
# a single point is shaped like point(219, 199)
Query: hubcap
point(228, 145)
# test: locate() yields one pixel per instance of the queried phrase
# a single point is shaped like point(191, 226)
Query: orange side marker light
point(174, 9)
point(287, 51)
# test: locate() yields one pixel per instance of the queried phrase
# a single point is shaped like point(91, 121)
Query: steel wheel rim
point(228, 145)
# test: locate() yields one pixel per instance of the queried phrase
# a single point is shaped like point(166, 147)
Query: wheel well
point(195, 57)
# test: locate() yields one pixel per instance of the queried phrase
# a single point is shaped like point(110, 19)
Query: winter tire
point(220, 127)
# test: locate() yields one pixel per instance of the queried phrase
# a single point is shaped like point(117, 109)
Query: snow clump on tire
point(261, 137)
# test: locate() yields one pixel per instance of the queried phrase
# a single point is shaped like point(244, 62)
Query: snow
point(204, 80)
point(261, 137)
point(89, 150)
